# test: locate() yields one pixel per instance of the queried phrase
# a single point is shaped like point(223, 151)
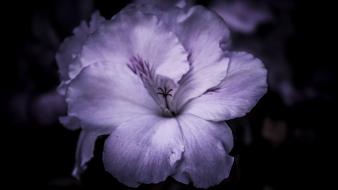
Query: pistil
point(165, 93)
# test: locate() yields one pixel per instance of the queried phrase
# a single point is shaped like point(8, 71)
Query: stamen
point(165, 93)
point(140, 67)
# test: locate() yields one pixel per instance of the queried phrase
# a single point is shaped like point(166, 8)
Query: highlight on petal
point(205, 36)
point(85, 150)
point(132, 33)
point(206, 155)
point(143, 150)
point(104, 95)
point(202, 32)
point(240, 90)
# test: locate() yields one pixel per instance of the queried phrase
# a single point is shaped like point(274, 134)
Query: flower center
point(165, 93)
point(159, 87)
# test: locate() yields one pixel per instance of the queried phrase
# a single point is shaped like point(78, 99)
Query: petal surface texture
point(207, 144)
point(243, 86)
point(143, 150)
point(104, 95)
point(70, 49)
point(203, 34)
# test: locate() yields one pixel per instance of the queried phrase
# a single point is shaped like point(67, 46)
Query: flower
point(161, 84)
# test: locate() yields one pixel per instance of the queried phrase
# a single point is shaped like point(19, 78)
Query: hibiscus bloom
point(161, 84)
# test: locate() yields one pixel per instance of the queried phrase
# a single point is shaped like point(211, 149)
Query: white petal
point(84, 150)
point(207, 144)
point(104, 95)
point(72, 46)
point(243, 86)
point(132, 33)
point(69, 50)
point(203, 33)
point(205, 36)
point(198, 80)
point(143, 150)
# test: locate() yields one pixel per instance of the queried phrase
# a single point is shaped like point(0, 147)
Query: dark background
point(39, 152)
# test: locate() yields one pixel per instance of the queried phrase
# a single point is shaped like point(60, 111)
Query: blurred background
point(281, 144)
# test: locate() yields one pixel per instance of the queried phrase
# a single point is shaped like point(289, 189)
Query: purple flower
point(161, 84)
